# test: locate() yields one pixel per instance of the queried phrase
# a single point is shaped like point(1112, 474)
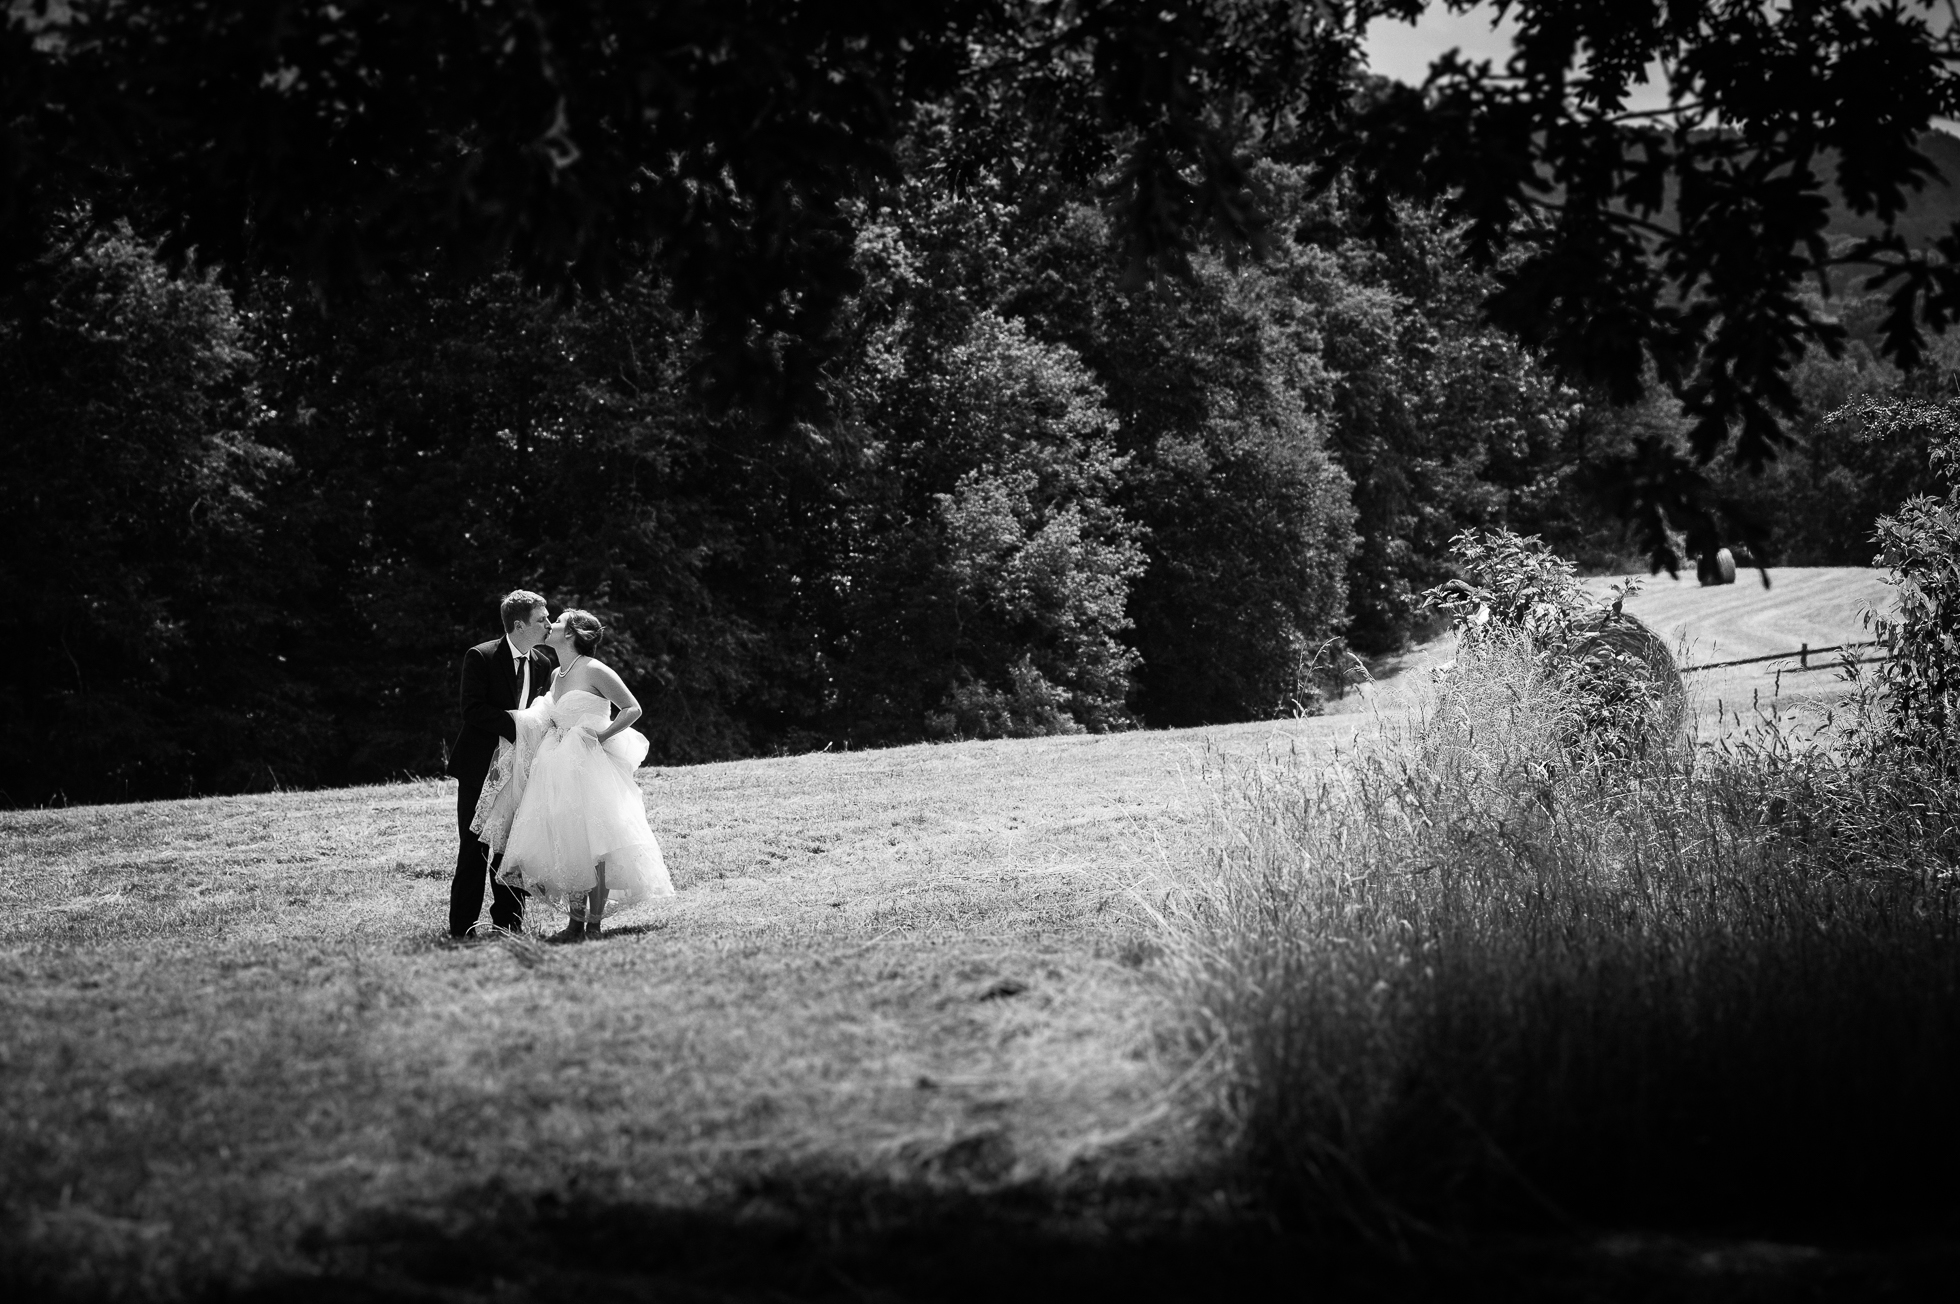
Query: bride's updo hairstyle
point(586, 631)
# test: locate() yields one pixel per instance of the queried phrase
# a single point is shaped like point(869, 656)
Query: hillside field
point(1822, 606)
point(231, 1026)
point(236, 1049)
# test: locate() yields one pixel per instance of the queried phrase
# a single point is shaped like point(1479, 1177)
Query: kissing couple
point(546, 803)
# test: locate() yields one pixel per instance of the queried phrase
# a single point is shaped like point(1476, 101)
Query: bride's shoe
point(575, 931)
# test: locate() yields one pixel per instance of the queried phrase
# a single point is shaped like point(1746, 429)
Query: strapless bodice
point(579, 706)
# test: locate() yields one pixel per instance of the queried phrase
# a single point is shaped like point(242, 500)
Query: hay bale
point(1610, 635)
point(1719, 569)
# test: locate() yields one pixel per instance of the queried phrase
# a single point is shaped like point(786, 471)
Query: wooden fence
point(1803, 656)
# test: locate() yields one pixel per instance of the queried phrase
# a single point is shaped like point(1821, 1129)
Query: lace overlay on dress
point(510, 771)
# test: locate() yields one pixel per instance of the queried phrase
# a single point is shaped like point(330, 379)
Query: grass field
point(1818, 606)
point(915, 988)
point(231, 1026)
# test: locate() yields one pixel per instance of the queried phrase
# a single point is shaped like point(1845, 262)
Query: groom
point(502, 675)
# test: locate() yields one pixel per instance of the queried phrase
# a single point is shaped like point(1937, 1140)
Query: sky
point(1404, 53)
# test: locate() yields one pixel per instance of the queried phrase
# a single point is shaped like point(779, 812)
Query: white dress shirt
point(523, 660)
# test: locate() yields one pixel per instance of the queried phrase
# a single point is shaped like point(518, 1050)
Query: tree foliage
point(1920, 544)
point(133, 439)
point(1031, 559)
point(1220, 399)
point(884, 371)
point(576, 140)
point(727, 142)
point(1676, 244)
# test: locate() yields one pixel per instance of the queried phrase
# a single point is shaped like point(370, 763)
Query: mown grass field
point(913, 991)
point(1820, 606)
point(232, 1028)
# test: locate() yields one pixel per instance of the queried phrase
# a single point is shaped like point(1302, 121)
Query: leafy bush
point(1506, 581)
point(1920, 544)
point(1617, 674)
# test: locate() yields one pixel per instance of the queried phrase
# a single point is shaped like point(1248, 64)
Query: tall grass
point(1490, 972)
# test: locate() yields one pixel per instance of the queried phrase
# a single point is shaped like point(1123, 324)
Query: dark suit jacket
point(490, 687)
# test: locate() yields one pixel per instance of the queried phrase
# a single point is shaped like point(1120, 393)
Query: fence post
point(1803, 657)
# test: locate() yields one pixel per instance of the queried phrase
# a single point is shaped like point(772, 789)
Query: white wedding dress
point(567, 803)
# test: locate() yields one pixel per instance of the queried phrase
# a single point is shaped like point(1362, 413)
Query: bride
point(564, 809)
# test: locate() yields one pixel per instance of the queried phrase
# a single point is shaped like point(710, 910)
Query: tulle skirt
point(581, 810)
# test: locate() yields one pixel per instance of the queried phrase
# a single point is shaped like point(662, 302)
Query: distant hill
point(1929, 214)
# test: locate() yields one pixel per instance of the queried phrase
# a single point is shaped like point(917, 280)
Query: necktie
point(522, 665)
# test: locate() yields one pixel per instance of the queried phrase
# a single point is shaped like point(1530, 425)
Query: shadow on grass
point(794, 1238)
point(823, 1237)
point(635, 930)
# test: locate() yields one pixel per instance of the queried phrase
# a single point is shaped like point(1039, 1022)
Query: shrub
point(1920, 544)
point(1510, 582)
point(1616, 673)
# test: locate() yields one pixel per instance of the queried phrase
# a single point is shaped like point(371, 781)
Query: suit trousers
point(473, 867)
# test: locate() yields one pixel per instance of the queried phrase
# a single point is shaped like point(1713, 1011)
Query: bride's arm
point(614, 690)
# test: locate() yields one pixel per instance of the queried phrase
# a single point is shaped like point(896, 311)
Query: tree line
point(1036, 394)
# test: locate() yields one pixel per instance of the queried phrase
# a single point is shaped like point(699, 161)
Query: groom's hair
point(518, 605)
